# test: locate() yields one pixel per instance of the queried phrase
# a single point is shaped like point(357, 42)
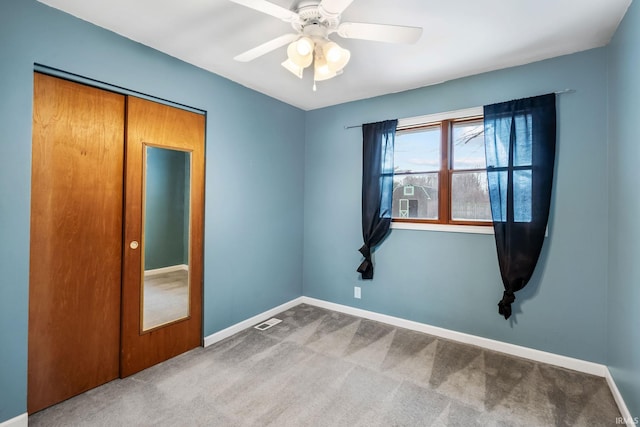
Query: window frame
point(445, 122)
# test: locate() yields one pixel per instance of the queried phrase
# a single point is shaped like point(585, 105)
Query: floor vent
point(268, 323)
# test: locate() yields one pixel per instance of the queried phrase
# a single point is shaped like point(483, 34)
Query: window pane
point(468, 145)
point(415, 196)
point(522, 146)
point(498, 191)
point(470, 197)
point(417, 151)
point(522, 196)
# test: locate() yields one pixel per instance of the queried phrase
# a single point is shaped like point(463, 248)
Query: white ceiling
point(460, 38)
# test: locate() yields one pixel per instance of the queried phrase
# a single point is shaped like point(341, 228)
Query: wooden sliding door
point(76, 240)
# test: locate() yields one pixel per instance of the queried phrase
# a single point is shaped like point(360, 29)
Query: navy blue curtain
point(520, 145)
point(377, 188)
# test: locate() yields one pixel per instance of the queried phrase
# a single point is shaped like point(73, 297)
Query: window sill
point(472, 229)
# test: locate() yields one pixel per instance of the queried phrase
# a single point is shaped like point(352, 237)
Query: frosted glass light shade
point(295, 69)
point(336, 56)
point(322, 70)
point(301, 61)
point(304, 46)
point(332, 51)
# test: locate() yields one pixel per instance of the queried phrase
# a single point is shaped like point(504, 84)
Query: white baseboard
point(258, 318)
point(499, 346)
point(502, 347)
point(163, 270)
point(622, 406)
point(19, 421)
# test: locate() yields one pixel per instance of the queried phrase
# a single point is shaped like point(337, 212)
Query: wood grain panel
point(162, 126)
point(76, 240)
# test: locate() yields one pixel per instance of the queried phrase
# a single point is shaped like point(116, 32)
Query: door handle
point(134, 244)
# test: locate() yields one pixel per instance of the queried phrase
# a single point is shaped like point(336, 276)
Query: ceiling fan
point(314, 21)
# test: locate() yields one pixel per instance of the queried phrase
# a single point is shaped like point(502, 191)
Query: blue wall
point(582, 301)
point(452, 280)
point(624, 199)
point(253, 247)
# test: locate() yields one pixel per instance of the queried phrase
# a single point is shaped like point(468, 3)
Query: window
point(440, 170)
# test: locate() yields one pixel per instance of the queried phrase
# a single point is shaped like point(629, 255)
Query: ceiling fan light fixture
point(294, 56)
point(313, 21)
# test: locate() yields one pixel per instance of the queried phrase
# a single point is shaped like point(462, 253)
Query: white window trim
point(451, 228)
point(438, 117)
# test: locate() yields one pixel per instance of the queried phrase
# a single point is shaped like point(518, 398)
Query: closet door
point(162, 275)
point(76, 240)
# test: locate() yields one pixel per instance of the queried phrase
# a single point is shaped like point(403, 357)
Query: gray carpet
point(322, 368)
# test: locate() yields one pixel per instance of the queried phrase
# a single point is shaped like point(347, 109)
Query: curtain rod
point(557, 92)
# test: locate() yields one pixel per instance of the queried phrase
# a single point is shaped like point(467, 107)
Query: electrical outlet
point(356, 292)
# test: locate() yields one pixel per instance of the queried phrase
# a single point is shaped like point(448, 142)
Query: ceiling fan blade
point(379, 32)
point(270, 9)
point(334, 7)
point(267, 47)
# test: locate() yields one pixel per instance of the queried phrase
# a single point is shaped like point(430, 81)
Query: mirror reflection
point(165, 290)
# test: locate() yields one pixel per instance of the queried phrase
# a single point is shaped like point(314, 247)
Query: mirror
point(165, 261)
